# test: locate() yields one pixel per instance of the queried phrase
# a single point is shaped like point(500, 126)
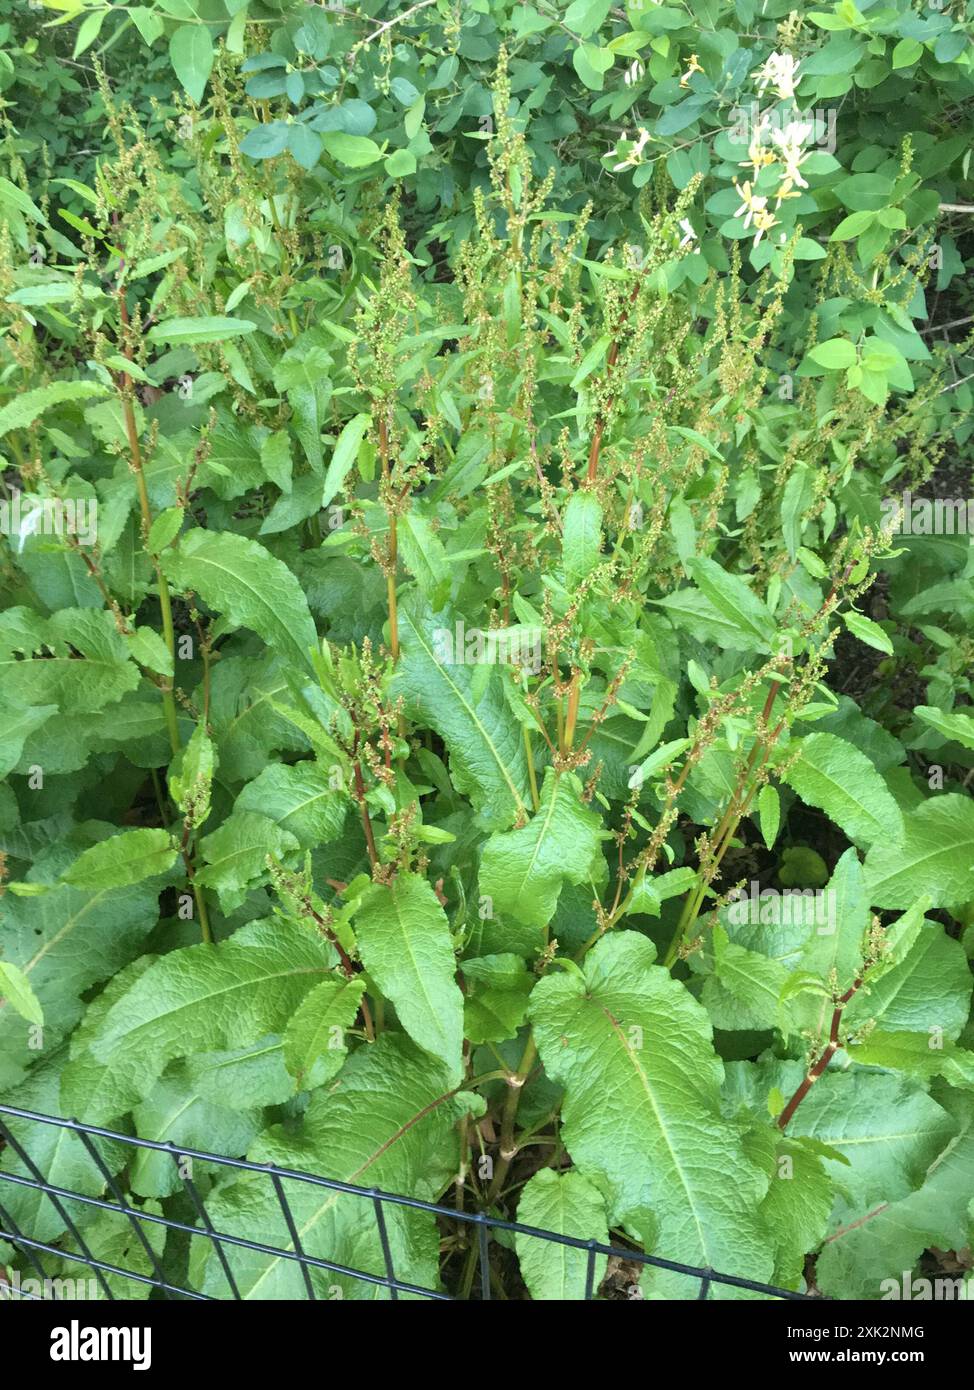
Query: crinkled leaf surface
point(404, 939)
point(204, 999)
point(569, 1205)
point(522, 871)
point(480, 731)
point(238, 578)
point(390, 1123)
point(642, 1115)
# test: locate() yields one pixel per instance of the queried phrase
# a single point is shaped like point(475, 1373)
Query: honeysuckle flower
point(795, 133)
point(692, 67)
point(758, 156)
point(751, 203)
point(634, 72)
point(783, 191)
point(634, 154)
point(763, 222)
point(754, 209)
point(790, 152)
point(780, 71)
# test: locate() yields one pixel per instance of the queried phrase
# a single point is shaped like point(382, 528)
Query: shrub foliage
point(487, 674)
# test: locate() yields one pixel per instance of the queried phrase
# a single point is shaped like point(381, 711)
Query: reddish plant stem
point(571, 717)
point(125, 389)
point(187, 854)
point(348, 966)
point(828, 1052)
point(596, 448)
point(393, 544)
point(366, 822)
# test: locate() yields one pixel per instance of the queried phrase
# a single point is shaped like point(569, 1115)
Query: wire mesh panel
point(131, 1248)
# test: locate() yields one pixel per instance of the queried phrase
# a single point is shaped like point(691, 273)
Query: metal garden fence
point(374, 1201)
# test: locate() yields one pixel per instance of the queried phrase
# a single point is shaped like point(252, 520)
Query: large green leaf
point(835, 776)
point(404, 941)
point(129, 857)
point(27, 406)
point(479, 729)
point(236, 854)
point(930, 988)
point(936, 857)
point(173, 1113)
point(16, 726)
point(921, 1055)
point(65, 941)
point(346, 451)
point(735, 600)
point(522, 871)
point(836, 945)
point(796, 1209)
point(692, 609)
point(239, 578)
point(569, 1205)
point(314, 1040)
point(743, 990)
point(199, 330)
point(581, 539)
point(642, 1115)
point(191, 53)
point(884, 1125)
point(17, 994)
point(305, 375)
point(954, 725)
point(206, 998)
point(301, 798)
point(99, 1090)
point(53, 672)
point(391, 1124)
point(858, 1257)
point(59, 1154)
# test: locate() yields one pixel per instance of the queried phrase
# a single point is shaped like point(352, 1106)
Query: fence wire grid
point(372, 1198)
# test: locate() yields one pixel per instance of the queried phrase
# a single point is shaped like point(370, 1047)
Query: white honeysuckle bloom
point(751, 204)
point(792, 160)
point(692, 67)
point(634, 72)
point(780, 71)
point(634, 154)
point(763, 222)
point(754, 208)
point(794, 133)
point(758, 156)
point(783, 191)
point(790, 143)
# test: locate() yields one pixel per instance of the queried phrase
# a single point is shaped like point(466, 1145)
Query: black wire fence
point(139, 1224)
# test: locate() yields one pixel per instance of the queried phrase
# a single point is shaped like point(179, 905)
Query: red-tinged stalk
point(828, 1052)
point(125, 389)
